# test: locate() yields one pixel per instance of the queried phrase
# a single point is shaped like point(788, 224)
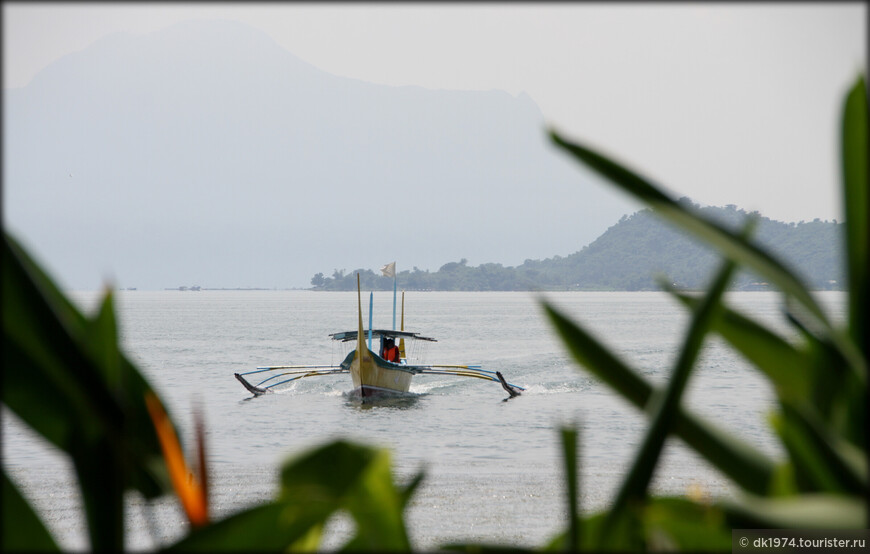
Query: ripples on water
point(492, 467)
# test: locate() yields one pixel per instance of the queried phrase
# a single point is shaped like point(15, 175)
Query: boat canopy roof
point(351, 335)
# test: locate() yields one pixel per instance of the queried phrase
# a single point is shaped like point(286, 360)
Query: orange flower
point(191, 491)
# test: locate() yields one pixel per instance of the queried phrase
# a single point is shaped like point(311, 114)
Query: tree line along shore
point(632, 255)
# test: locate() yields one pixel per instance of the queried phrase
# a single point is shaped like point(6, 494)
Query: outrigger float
point(371, 373)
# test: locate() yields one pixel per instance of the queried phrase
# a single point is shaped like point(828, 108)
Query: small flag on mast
point(389, 270)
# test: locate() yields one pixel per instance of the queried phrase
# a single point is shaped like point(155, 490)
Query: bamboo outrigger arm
point(313, 371)
point(309, 371)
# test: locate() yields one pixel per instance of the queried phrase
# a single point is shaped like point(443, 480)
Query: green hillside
point(629, 256)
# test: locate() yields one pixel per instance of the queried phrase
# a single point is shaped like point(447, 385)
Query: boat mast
point(371, 303)
point(402, 340)
point(394, 300)
point(360, 350)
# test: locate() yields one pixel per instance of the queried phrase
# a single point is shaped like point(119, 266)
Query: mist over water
point(493, 470)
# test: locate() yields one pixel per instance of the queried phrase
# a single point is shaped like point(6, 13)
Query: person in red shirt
point(391, 351)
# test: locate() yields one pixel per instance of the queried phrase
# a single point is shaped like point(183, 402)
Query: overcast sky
point(727, 104)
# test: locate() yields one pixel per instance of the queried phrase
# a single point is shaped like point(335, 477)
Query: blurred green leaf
point(409, 489)
point(62, 381)
point(101, 340)
point(849, 414)
point(665, 407)
point(682, 524)
point(787, 367)
point(732, 245)
point(856, 207)
point(589, 528)
point(739, 461)
point(595, 357)
point(22, 529)
point(823, 462)
point(314, 486)
point(325, 474)
point(48, 381)
point(482, 548)
point(821, 383)
point(621, 530)
point(101, 480)
point(836, 393)
point(805, 511)
point(627, 535)
point(569, 460)
point(376, 506)
point(264, 528)
point(65, 377)
point(665, 524)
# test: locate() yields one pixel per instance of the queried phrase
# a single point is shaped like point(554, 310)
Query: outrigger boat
point(371, 373)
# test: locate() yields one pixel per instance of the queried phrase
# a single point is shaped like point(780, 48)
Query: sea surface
point(493, 470)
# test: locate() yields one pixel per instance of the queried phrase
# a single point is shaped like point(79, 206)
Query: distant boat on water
point(385, 373)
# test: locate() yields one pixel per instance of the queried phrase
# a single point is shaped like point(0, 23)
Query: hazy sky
point(727, 104)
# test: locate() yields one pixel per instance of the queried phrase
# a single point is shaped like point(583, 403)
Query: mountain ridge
point(630, 255)
point(206, 153)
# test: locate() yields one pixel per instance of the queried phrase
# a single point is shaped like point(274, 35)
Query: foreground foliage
point(820, 382)
point(65, 376)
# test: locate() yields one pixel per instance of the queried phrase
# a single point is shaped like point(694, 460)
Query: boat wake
point(400, 400)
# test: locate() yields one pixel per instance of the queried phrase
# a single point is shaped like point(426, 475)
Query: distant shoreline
point(310, 289)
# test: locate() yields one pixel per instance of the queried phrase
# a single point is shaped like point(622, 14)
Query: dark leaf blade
point(343, 475)
point(101, 482)
point(823, 461)
point(48, 353)
point(598, 359)
point(51, 365)
point(739, 461)
point(325, 473)
point(672, 524)
point(409, 489)
point(141, 449)
point(569, 460)
point(102, 342)
point(665, 410)
point(45, 409)
point(483, 548)
point(805, 511)
point(266, 528)
point(40, 335)
point(377, 505)
point(314, 485)
point(56, 379)
point(788, 368)
point(22, 528)
point(732, 245)
point(856, 206)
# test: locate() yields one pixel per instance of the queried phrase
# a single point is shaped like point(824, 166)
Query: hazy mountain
point(206, 154)
point(630, 255)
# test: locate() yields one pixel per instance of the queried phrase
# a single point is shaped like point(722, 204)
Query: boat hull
point(374, 376)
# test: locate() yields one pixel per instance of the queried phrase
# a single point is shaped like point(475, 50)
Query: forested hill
point(629, 256)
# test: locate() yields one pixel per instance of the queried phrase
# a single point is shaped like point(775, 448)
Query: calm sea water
point(492, 466)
